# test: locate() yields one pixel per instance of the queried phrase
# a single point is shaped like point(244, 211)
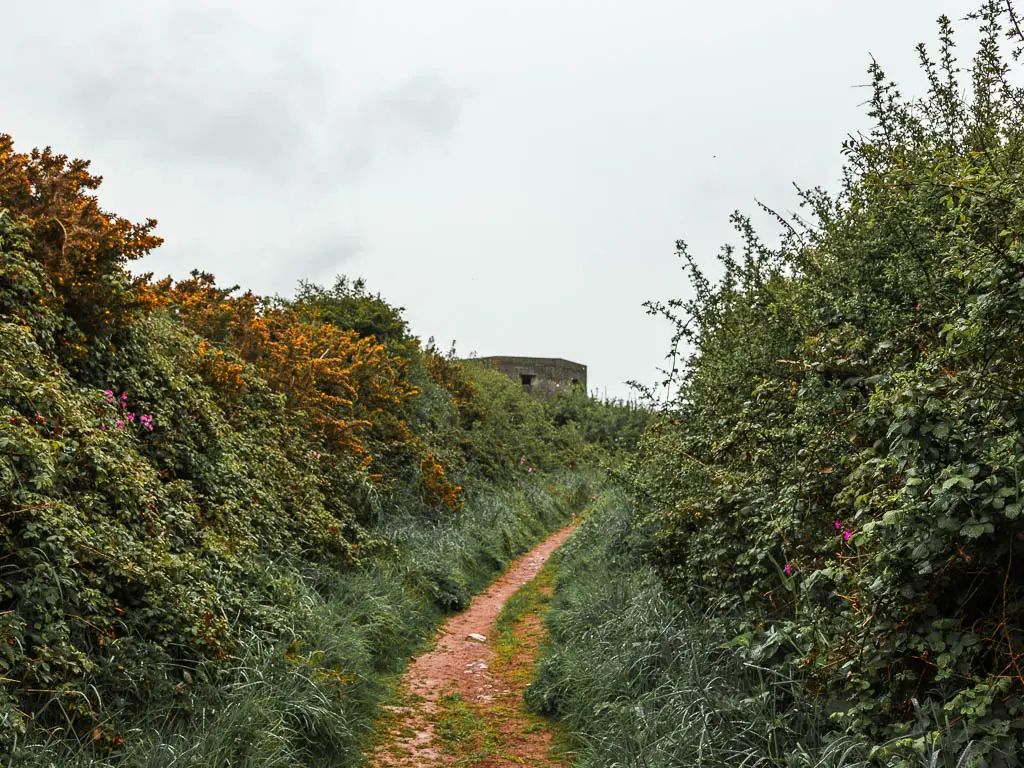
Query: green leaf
point(950, 482)
point(974, 530)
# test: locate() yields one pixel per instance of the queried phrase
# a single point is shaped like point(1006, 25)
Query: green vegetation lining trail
point(460, 704)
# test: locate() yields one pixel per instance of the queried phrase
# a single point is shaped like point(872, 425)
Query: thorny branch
point(1013, 19)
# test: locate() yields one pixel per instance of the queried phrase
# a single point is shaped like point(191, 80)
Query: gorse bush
point(198, 486)
point(843, 460)
point(83, 248)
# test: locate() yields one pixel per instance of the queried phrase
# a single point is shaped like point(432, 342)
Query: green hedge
point(843, 461)
point(185, 577)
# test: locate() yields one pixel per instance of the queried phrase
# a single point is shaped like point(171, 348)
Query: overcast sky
point(514, 173)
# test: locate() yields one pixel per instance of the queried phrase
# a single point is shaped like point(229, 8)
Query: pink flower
point(530, 469)
point(119, 424)
point(103, 427)
point(131, 417)
point(838, 525)
point(788, 569)
point(108, 392)
point(522, 460)
point(124, 397)
point(847, 533)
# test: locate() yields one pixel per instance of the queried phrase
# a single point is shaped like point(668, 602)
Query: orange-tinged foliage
point(213, 312)
point(350, 388)
point(225, 374)
point(344, 383)
point(82, 247)
point(438, 488)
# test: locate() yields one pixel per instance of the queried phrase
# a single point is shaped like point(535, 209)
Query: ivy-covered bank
point(224, 518)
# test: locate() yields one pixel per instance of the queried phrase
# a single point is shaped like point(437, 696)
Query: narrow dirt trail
point(455, 709)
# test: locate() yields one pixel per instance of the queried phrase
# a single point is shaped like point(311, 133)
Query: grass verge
point(312, 699)
point(639, 678)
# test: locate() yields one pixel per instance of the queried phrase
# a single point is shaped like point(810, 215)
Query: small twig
point(127, 566)
point(1013, 18)
point(26, 509)
point(1006, 627)
point(64, 239)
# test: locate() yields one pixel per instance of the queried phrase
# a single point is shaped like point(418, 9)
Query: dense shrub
point(612, 426)
point(83, 248)
point(843, 459)
point(642, 678)
point(223, 517)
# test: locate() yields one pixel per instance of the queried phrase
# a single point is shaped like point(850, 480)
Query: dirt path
point(460, 709)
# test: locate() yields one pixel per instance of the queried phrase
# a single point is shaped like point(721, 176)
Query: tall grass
point(309, 696)
point(645, 681)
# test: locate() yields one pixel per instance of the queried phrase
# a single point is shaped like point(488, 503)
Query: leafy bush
point(642, 677)
point(513, 434)
point(224, 518)
point(843, 458)
point(612, 426)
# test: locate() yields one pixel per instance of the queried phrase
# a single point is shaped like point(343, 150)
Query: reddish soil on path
point(458, 668)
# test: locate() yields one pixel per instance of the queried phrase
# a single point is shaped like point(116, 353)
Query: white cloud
point(516, 174)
